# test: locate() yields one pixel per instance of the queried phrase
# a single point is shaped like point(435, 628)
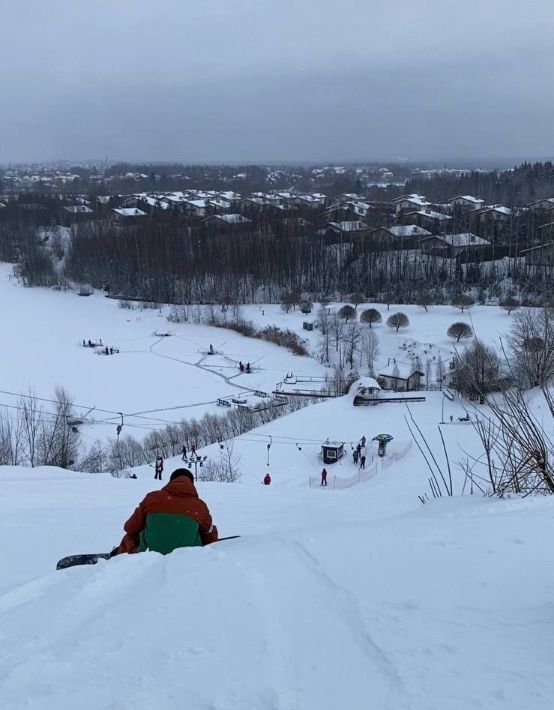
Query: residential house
point(452, 245)
point(230, 221)
point(547, 203)
point(311, 201)
point(128, 215)
point(404, 235)
point(194, 208)
point(466, 203)
point(428, 219)
point(495, 213)
point(400, 377)
point(541, 255)
point(79, 211)
point(346, 227)
point(410, 203)
point(253, 205)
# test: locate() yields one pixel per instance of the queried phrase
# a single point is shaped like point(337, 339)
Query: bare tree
point(357, 299)
point(509, 304)
point(347, 313)
point(424, 299)
point(531, 341)
point(11, 438)
point(478, 371)
point(397, 321)
point(463, 301)
point(370, 316)
point(325, 328)
point(459, 330)
point(352, 342)
point(59, 440)
point(388, 298)
point(32, 416)
point(370, 348)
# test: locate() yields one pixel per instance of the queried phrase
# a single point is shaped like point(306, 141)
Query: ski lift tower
point(383, 440)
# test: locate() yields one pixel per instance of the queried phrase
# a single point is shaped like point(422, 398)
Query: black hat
point(181, 472)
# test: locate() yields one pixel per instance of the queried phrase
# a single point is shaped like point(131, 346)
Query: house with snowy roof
point(311, 201)
point(400, 377)
point(428, 219)
point(346, 227)
point(547, 203)
point(403, 235)
point(128, 215)
point(452, 244)
point(77, 213)
point(229, 221)
point(78, 209)
point(466, 203)
point(540, 255)
point(495, 213)
point(410, 203)
point(194, 208)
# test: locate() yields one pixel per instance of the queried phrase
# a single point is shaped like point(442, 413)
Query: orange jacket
point(179, 497)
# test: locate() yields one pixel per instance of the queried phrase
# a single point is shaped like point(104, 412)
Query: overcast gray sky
point(254, 80)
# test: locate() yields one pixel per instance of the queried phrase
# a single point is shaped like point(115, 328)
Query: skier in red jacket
point(267, 479)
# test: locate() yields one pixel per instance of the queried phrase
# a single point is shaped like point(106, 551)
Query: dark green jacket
point(164, 532)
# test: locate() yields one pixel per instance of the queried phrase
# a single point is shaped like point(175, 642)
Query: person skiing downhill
point(169, 518)
point(267, 479)
point(158, 467)
point(362, 456)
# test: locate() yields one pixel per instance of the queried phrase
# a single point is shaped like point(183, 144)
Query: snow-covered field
point(333, 598)
point(154, 380)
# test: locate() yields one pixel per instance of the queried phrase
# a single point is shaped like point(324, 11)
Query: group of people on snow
point(243, 367)
point(359, 453)
point(91, 344)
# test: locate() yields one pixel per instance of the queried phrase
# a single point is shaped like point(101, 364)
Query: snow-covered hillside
point(354, 595)
point(332, 598)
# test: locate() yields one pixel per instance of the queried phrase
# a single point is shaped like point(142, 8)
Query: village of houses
point(463, 227)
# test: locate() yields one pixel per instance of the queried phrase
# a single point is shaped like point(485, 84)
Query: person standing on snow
point(169, 518)
point(356, 455)
point(324, 477)
point(267, 479)
point(184, 452)
point(362, 456)
point(158, 467)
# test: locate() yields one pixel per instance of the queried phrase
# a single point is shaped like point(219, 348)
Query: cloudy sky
point(255, 80)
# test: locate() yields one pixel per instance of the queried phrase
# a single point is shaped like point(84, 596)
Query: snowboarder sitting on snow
point(169, 518)
point(267, 479)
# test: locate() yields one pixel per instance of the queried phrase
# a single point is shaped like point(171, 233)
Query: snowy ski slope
point(358, 598)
